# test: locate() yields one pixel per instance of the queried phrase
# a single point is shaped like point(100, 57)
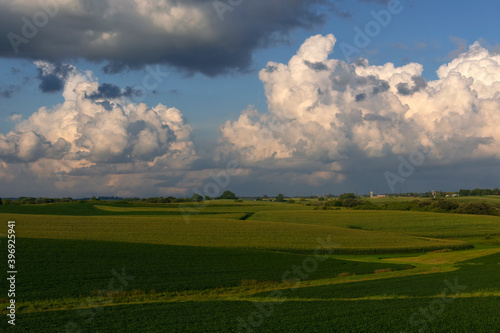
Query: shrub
point(350, 202)
point(477, 208)
point(347, 196)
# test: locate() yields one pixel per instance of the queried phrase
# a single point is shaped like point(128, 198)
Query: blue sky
point(425, 32)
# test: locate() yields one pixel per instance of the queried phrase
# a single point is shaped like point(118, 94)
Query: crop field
point(246, 266)
point(402, 222)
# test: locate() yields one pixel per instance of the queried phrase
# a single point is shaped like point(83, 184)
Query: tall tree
point(228, 195)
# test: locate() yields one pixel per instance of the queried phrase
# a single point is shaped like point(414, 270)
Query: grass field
point(251, 267)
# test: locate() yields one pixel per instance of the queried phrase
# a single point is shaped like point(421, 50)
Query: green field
point(251, 267)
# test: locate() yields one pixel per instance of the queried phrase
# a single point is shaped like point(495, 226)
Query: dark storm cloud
point(419, 83)
point(110, 91)
point(54, 81)
point(130, 34)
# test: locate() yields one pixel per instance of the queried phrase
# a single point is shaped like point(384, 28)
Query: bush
point(477, 208)
point(445, 205)
point(280, 198)
point(347, 196)
point(350, 202)
point(228, 195)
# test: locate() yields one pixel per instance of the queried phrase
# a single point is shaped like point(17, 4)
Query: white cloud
point(340, 115)
point(119, 139)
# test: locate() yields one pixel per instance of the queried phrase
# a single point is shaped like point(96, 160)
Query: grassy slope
point(202, 231)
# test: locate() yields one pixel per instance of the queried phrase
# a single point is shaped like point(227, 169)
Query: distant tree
point(207, 198)
point(485, 192)
point(196, 197)
point(280, 198)
point(0, 201)
point(258, 199)
point(228, 195)
point(320, 199)
point(347, 196)
point(26, 201)
point(464, 193)
point(475, 192)
point(350, 202)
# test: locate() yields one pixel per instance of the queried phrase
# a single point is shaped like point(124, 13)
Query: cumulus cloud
point(107, 133)
point(326, 117)
point(211, 37)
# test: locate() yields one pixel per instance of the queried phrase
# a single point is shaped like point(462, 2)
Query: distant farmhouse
point(377, 196)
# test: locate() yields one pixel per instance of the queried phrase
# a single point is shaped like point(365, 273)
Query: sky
point(142, 98)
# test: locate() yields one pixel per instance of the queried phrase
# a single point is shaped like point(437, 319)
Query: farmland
point(232, 266)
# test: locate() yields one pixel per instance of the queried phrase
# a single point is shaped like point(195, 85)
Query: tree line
point(170, 199)
point(478, 192)
point(438, 205)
